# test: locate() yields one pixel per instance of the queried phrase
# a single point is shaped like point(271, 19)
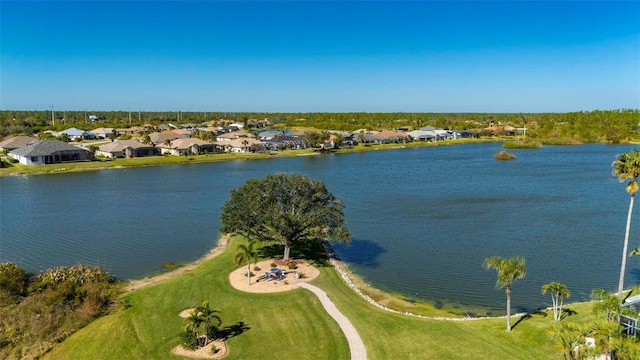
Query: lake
point(423, 219)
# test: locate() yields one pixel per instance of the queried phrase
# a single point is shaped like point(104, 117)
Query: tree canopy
point(285, 208)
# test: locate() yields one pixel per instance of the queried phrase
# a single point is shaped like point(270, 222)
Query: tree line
point(583, 126)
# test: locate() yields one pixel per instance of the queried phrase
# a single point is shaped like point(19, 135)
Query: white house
point(42, 152)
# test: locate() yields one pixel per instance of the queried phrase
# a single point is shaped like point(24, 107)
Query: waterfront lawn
point(387, 335)
point(289, 325)
point(294, 325)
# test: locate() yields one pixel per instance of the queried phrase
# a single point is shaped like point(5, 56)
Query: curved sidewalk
point(356, 346)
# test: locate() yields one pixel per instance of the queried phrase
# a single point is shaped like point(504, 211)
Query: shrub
point(256, 268)
point(522, 145)
point(273, 264)
point(503, 155)
point(292, 264)
point(13, 279)
point(189, 340)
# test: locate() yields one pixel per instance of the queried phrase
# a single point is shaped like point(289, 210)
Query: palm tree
point(604, 333)
point(509, 270)
point(558, 293)
point(208, 315)
point(195, 321)
point(609, 304)
point(626, 348)
point(246, 253)
point(570, 338)
point(627, 167)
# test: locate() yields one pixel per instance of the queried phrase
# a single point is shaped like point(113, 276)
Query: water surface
point(423, 219)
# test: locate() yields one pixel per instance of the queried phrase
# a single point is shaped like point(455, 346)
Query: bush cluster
point(39, 310)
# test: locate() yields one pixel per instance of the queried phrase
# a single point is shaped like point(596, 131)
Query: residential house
point(75, 134)
point(255, 124)
point(630, 323)
point(469, 133)
point(49, 152)
point(430, 133)
point(183, 146)
point(162, 137)
point(500, 130)
point(103, 133)
point(241, 145)
point(16, 142)
point(272, 133)
point(359, 137)
point(232, 136)
point(286, 142)
point(126, 149)
point(389, 136)
point(135, 130)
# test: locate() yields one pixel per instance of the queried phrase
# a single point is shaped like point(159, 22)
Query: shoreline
point(336, 263)
point(147, 281)
point(73, 167)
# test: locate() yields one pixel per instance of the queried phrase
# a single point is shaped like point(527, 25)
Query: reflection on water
point(423, 219)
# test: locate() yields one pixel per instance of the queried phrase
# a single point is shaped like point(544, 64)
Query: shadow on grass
point(529, 315)
point(308, 250)
point(234, 330)
point(567, 312)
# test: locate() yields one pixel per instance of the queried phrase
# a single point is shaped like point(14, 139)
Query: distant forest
point(585, 126)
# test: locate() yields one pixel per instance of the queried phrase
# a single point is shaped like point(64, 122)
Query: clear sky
point(305, 56)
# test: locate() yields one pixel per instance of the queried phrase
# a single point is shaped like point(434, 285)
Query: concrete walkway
point(358, 352)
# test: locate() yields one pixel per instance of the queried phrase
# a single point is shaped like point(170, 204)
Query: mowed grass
point(294, 325)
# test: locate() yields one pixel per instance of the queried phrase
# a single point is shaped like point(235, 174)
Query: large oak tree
point(285, 208)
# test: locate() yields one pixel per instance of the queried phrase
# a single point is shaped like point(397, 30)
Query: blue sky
point(305, 56)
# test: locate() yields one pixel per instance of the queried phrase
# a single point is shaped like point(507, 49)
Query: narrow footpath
point(356, 346)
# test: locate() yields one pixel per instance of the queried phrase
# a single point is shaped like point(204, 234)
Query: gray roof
point(286, 138)
point(16, 142)
point(45, 147)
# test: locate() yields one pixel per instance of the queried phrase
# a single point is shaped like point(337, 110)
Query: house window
point(34, 159)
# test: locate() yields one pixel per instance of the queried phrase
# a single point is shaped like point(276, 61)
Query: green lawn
point(294, 325)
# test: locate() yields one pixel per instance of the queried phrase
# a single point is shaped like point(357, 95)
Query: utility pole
point(129, 116)
point(85, 116)
point(139, 118)
point(53, 120)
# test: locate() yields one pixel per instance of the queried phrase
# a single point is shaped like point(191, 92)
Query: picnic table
point(275, 273)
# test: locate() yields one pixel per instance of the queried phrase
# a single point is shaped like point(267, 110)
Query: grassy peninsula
point(293, 325)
